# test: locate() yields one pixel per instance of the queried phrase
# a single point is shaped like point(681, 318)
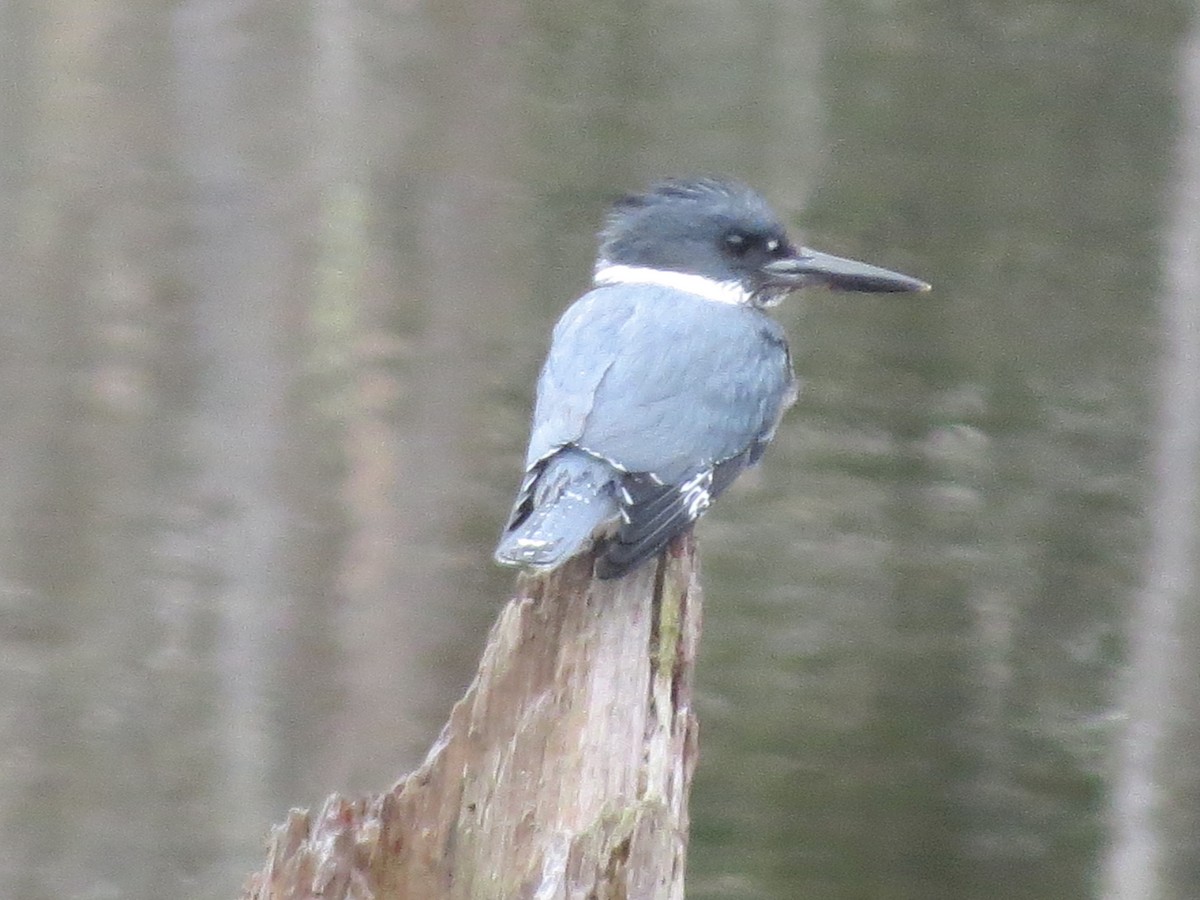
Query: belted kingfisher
point(667, 378)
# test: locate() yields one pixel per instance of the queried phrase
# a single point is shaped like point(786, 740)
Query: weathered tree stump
point(562, 773)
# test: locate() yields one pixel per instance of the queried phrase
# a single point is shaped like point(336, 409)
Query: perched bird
point(667, 378)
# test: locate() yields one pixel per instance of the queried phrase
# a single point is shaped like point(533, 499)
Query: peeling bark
point(562, 773)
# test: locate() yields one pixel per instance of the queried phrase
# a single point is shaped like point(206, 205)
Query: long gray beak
point(812, 267)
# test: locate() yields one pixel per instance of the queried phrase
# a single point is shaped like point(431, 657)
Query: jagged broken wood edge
point(563, 771)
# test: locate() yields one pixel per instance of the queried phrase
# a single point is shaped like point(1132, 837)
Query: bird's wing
point(585, 345)
point(685, 405)
point(582, 349)
point(677, 393)
point(652, 513)
point(690, 383)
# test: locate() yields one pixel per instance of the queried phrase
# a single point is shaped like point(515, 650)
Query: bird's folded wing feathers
point(585, 345)
point(688, 390)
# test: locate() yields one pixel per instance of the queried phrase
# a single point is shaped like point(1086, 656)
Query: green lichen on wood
point(671, 599)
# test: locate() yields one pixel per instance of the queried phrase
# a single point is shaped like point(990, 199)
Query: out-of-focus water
point(276, 284)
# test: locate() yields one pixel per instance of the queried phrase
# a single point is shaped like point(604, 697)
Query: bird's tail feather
point(572, 498)
point(654, 514)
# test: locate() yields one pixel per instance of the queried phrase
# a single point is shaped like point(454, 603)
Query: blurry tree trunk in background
point(238, 278)
point(1147, 803)
point(563, 773)
point(416, 230)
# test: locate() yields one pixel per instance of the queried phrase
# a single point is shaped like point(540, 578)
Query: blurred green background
point(276, 281)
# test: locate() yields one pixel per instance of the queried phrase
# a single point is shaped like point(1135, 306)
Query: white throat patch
point(730, 293)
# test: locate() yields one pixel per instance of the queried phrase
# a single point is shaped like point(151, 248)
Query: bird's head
point(724, 233)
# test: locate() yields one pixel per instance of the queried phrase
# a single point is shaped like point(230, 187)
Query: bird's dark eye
point(737, 243)
point(778, 247)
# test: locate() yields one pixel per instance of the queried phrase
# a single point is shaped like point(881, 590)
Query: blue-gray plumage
point(667, 379)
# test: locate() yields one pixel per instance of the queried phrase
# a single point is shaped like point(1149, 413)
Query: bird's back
point(645, 392)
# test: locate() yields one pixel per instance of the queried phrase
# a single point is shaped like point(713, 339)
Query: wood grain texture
point(562, 773)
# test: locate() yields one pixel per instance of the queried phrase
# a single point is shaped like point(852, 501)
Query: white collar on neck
point(730, 293)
